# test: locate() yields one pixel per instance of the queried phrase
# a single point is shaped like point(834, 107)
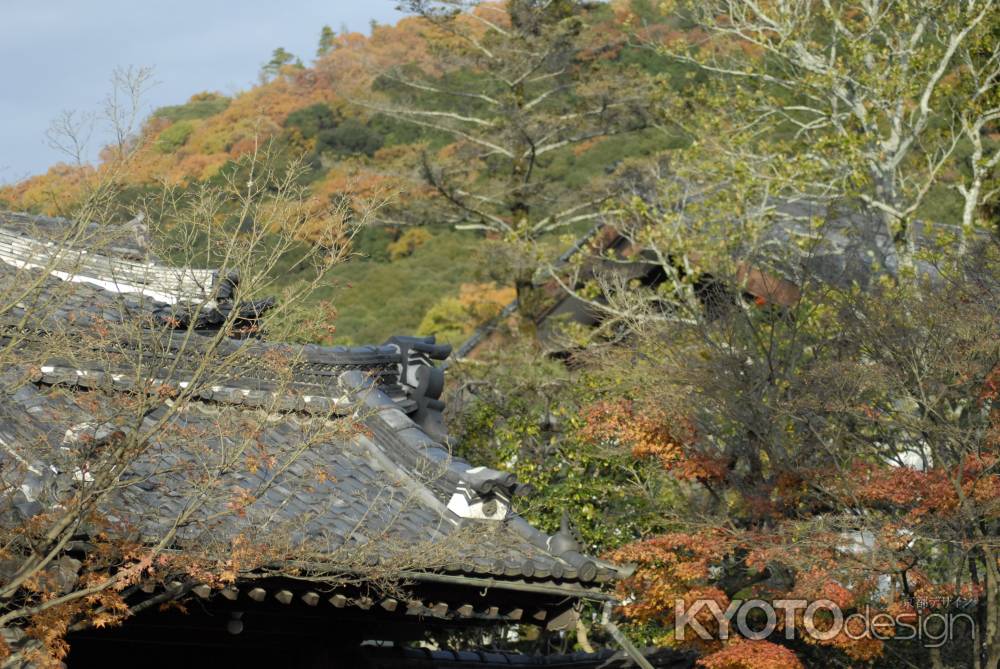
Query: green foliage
point(279, 59)
point(349, 137)
point(647, 11)
point(394, 132)
point(130, 199)
point(334, 134)
point(445, 320)
point(376, 300)
point(199, 106)
point(372, 243)
point(455, 317)
point(326, 39)
point(174, 137)
point(312, 120)
point(577, 170)
point(528, 422)
point(510, 114)
point(407, 243)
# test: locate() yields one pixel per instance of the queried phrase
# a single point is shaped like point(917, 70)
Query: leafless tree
point(521, 81)
point(870, 102)
point(122, 463)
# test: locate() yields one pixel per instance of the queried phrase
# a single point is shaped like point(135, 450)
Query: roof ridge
point(474, 493)
point(114, 273)
point(313, 386)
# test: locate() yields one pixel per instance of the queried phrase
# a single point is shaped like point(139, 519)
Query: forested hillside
point(412, 271)
point(754, 252)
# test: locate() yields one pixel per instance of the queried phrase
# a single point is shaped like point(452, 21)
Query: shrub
point(199, 106)
point(312, 120)
point(350, 137)
point(376, 300)
point(407, 243)
point(447, 320)
point(453, 319)
point(174, 137)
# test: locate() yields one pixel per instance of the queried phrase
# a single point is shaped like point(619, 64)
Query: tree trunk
point(973, 192)
point(581, 637)
point(991, 635)
point(901, 233)
point(528, 296)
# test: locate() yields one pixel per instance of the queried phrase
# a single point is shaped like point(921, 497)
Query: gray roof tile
point(397, 481)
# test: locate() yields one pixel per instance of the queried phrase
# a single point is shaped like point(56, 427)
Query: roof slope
point(390, 486)
point(422, 658)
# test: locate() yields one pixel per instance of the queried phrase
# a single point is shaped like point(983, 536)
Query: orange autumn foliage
point(859, 482)
point(49, 192)
point(651, 431)
point(743, 654)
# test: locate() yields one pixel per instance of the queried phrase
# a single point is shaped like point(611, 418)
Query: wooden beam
point(257, 594)
point(563, 621)
point(202, 590)
point(540, 614)
point(465, 611)
point(283, 596)
point(338, 600)
point(389, 604)
point(515, 614)
point(520, 586)
point(310, 598)
point(231, 593)
point(365, 603)
point(440, 609)
point(148, 587)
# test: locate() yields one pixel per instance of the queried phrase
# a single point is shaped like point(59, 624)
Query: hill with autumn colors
point(411, 272)
point(768, 375)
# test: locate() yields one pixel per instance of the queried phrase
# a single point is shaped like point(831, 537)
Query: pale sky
point(60, 54)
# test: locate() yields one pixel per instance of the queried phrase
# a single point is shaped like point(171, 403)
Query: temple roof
point(422, 658)
point(389, 482)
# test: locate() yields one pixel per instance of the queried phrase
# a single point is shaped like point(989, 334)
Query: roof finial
point(563, 541)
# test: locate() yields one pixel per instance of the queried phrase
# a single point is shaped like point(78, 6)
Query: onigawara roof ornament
point(390, 483)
